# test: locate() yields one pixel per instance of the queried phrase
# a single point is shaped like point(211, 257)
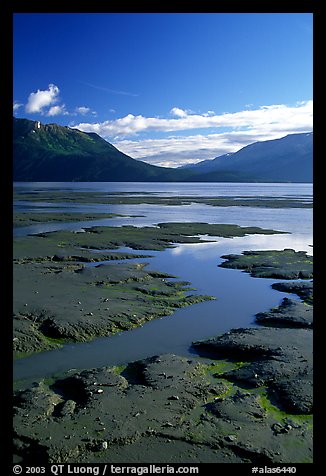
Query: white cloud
point(209, 113)
point(57, 110)
point(82, 110)
point(42, 99)
point(176, 111)
point(266, 117)
point(180, 150)
point(47, 103)
point(174, 151)
point(244, 127)
point(16, 106)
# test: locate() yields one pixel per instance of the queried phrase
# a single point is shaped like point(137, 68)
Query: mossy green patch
point(55, 340)
point(34, 218)
point(118, 369)
point(284, 264)
point(163, 236)
point(226, 366)
point(101, 301)
point(282, 416)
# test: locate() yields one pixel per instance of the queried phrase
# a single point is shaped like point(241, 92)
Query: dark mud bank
point(163, 409)
point(278, 355)
point(251, 403)
point(284, 264)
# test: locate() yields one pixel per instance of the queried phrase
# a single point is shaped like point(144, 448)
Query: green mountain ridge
point(54, 153)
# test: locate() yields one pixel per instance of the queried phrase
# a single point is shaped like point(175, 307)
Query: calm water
point(238, 296)
point(223, 189)
point(292, 220)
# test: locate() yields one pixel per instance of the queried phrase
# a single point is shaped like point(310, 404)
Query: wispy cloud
point(82, 110)
point(109, 90)
point(17, 105)
point(58, 110)
point(212, 134)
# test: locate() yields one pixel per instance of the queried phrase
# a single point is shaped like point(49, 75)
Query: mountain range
point(288, 159)
point(49, 152)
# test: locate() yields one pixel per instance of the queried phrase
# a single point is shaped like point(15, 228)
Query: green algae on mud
point(279, 358)
point(33, 218)
point(167, 409)
point(102, 300)
point(284, 264)
point(160, 237)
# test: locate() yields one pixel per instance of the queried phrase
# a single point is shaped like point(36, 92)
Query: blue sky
point(171, 88)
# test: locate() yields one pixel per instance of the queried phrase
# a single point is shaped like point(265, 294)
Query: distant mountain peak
point(285, 159)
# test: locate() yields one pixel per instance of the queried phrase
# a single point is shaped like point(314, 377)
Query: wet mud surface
point(284, 264)
point(28, 218)
point(245, 397)
point(290, 313)
point(160, 237)
point(279, 358)
point(167, 409)
point(102, 299)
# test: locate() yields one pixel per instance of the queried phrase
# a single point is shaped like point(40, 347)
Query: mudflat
point(136, 198)
point(28, 218)
point(282, 264)
point(58, 298)
point(247, 399)
point(167, 409)
point(121, 414)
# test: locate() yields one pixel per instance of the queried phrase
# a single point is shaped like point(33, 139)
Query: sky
point(167, 88)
